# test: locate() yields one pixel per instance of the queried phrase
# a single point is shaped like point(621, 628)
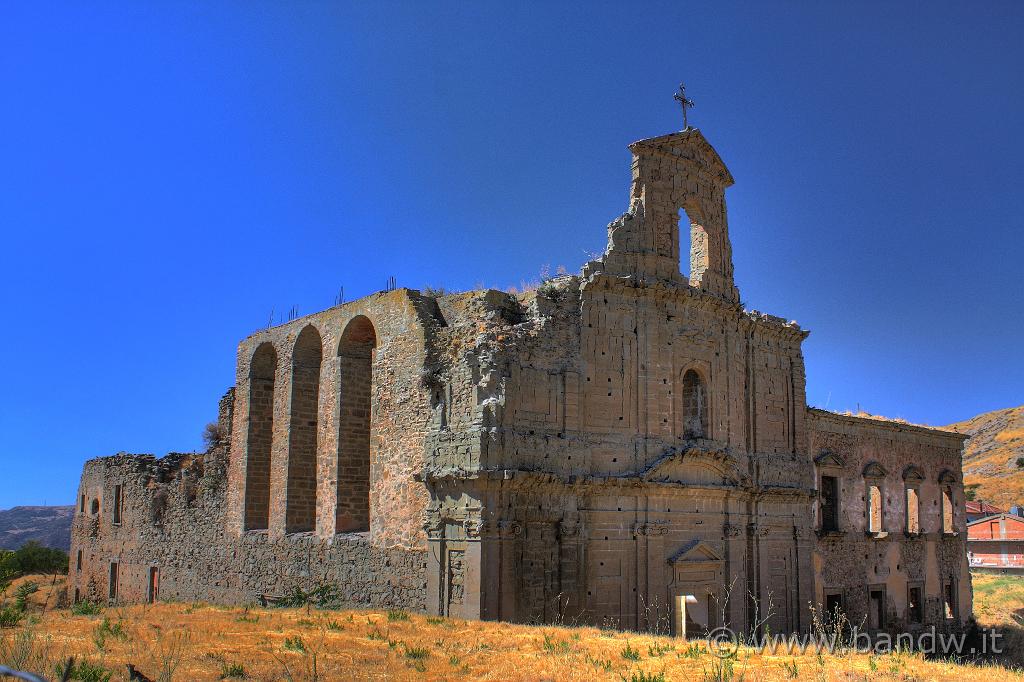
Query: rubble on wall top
point(898, 423)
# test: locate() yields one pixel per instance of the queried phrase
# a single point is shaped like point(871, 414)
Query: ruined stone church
point(627, 446)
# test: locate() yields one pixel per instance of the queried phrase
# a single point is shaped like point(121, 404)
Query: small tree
point(213, 435)
point(33, 558)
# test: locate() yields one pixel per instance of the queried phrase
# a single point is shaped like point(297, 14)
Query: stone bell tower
point(676, 175)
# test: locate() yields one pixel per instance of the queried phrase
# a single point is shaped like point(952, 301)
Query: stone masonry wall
point(173, 521)
point(852, 560)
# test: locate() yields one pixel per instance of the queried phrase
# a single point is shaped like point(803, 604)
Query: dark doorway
point(876, 607)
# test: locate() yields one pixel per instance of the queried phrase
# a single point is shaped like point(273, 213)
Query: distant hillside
point(49, 526)
point(994, 456)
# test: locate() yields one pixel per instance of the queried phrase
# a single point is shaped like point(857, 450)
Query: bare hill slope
point(49, 526)
point(994, 456)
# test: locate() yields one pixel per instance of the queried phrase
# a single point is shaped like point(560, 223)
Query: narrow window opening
point(913, 504)
point(949, 601)
point(153, 591)
point(874, 509)
point(947, 511)
point(112, 582)
point(695, 411)
point(118, 493)
point(876, 614)
point(829, 504)
point(915, 611)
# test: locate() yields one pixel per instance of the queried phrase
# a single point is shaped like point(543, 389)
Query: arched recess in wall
point(695, 405)
point(355, 406)
point(694, 247)
point(300, 515)
point(259, 437)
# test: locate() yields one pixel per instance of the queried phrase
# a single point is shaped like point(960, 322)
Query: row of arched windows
point(875, 522)
point(355, 383)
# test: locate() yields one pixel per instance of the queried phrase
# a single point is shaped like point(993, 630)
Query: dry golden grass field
point(203, 642)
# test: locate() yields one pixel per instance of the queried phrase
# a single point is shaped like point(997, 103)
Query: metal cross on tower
point(684, 102)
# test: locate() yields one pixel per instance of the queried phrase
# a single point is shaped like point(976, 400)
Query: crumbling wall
point(173, 522)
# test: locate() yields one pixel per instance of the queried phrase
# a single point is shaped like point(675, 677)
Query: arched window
point(300, 514)
point(946, 481)
point(695, 409)
point(912, 479)
point(874, 485)
point(262, 371)
point(355, 407)
point(691, 222)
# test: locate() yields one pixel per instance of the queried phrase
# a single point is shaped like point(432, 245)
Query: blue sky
point(174, 171)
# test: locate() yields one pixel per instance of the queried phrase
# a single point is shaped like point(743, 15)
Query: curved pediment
point(947, 477)
point(696, 463)
point(875, 470)
point(913, 474)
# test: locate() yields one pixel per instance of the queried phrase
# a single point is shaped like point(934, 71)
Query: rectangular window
point(949, 600)
point(81, 504)
point(915, 609)
point(78, 561)
point(876, 605)
point(947, 511)
point(829, 503)
point(913, 512)
point(112, 592)
point(78, 596)
point(874, 509)
point(834, 608)
point(118, 494)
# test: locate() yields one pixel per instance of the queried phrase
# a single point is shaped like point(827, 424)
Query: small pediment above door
point(827, 458)
point(695, 551)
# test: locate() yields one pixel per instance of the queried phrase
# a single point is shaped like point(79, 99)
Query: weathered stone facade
point(627, 446)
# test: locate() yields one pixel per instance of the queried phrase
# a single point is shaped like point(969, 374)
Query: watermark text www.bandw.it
point(723, 642)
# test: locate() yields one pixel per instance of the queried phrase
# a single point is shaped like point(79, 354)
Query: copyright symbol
point(722, 642)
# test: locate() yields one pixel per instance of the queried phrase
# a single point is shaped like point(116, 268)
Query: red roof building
point(996, 542)
point(979, 510)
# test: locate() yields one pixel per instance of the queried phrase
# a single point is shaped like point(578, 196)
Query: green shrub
point(322, 596)
point(87, 608)
point(22, 593)
point(630, 654)
point(397, 615)
point(84, 671)
point(233, 670)
point(416, 653)
point(295, 644)
point(10, 616)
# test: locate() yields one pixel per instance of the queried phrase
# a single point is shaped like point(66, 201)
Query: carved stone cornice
point(755, 529)
point(509, 528)
point(650, 529)
point(569, 526)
